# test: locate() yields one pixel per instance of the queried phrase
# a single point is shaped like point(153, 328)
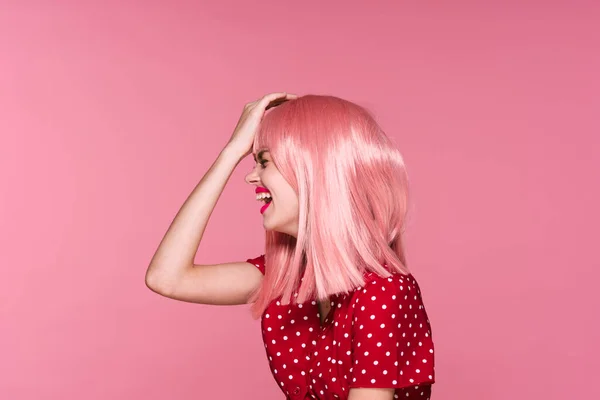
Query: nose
point(252, 177)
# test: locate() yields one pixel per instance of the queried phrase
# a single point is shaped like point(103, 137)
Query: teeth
point(262, 196)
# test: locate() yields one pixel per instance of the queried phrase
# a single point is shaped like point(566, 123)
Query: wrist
point(231, 151)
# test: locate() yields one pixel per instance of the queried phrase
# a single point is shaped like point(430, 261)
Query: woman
point(342, 318)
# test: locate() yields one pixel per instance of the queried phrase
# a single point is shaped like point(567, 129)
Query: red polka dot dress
point(377, 336)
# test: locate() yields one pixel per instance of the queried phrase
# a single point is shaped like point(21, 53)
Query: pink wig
point(352, 188)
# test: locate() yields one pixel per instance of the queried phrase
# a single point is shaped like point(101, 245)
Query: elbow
point(156, 284)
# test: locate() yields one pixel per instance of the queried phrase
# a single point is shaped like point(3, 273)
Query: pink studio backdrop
point(110, 113)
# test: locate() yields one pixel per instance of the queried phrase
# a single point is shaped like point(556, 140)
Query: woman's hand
point(245, 130)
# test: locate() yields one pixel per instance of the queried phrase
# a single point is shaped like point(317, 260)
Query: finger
point(274, 103)
point(275, 99)
point(272, 96)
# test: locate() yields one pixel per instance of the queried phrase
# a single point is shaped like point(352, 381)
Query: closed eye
point(262, 163)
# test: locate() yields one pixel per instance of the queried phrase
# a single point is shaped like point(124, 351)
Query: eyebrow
point(260, 154)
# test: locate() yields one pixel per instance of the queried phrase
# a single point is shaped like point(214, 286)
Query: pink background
point(110, 113)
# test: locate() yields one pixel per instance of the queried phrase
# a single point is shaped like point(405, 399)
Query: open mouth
point(263, 194)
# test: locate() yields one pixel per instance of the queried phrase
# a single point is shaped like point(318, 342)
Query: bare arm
point(371, 394)
point(171, 272)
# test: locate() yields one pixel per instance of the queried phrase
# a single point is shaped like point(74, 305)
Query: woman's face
point(282, 213)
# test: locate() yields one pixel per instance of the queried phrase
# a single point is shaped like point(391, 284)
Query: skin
point(282, 216)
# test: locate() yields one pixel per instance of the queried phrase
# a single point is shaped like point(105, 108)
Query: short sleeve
point(392, 345)
point(258, 262)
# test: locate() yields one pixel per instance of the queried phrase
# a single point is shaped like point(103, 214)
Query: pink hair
point(352, 187)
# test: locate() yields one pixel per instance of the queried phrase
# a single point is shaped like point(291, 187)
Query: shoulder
point(389, 297)
point(387, 287)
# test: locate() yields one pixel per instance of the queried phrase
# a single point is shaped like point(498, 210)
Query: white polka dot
point(364, 371)
point(373, 298)
point(372, 380)
point(385, 372)
point(382, 326)
point(372, 317)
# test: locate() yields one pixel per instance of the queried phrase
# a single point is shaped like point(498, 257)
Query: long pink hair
point(352, 187)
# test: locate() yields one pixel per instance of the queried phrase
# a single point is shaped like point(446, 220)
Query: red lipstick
point(261, 189)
